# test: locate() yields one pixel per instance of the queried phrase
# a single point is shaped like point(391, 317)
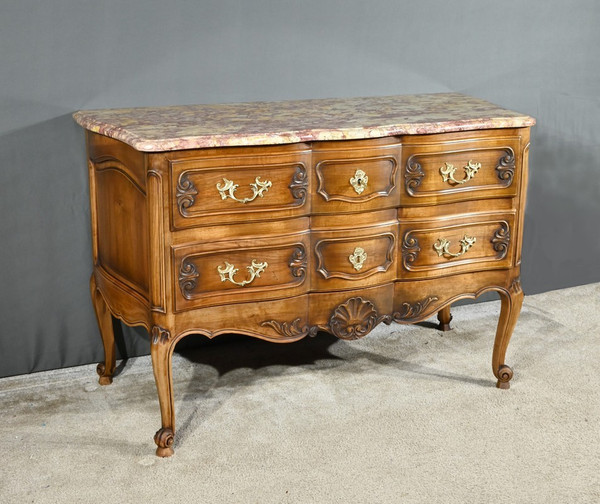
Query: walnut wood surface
point(162, 232)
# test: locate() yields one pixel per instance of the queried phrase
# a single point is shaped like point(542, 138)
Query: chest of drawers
point(280, 220)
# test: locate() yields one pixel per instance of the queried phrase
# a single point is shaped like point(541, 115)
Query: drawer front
point(347, 259)
point(242, 270)
point(355, 176)
point(450, 168)
point(443, 247)
point(239, 188)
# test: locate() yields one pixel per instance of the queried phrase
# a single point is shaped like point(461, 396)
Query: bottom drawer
point(241, 270)
point(457, 245)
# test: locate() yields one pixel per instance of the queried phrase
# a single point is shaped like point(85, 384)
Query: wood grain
point(163, 234)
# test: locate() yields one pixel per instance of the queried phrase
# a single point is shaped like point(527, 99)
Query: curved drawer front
point(441, 247)
point(450, 169)
point(239, 188)
point(238, 271)
point(355, 176)
point(346, 259)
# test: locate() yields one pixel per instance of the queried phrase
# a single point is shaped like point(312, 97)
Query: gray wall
point(539, 57)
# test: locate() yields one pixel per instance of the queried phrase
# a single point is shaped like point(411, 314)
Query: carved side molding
point(299, 262)
point(501, 240)
point(185, 193)
point(413, 175)
point(506, 167)
point(188, 278)
point(410, 249)
point(299, 184)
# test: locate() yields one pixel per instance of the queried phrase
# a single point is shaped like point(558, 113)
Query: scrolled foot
point(164, 440)
point(505, 374)
point(105, 378)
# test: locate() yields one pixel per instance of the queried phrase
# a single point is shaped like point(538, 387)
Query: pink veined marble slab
point(155, 129)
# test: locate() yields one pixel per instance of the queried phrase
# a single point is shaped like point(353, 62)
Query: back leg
point(444, 318)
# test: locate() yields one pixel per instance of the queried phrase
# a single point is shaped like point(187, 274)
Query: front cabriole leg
point(511, 302)
point(161, 365)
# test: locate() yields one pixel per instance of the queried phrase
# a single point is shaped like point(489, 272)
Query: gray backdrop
point(539, 57)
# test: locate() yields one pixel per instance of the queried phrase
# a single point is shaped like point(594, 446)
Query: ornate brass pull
point(228, 271)
point(228, 188)
point(447, 172)
point(359, 181)
point(441, 246)
point(358, 258)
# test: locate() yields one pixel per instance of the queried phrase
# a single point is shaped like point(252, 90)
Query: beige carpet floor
point(405, 415)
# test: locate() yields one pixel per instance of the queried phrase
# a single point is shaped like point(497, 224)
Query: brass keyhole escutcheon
point(358, 258)
point(359, 181)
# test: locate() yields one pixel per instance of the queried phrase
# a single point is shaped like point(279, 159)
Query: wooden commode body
point(279, 220)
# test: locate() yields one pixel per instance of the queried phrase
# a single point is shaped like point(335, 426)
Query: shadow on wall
point(46, 316)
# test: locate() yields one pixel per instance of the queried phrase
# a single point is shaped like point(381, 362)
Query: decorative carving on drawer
point(506, 167)
point(413, 310)
point(188, 278)
point(358, 258)
point(299, 185)
point(413, 174)
point(442, 246)
point(501, 240)
point(291, 330)
point(327, 271)
point(228, 271)
point(355, 318)
point(185, 193)
point(227, 189)
point(410, 249)
point(359, 181)
point(299, 262)
point(447, 172)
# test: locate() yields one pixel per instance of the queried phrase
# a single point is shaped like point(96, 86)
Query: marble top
point(155, 129)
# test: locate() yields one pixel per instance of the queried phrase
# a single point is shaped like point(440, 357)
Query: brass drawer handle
point(228, 188)
point(447, 172)
point(441, 246)
point(358, 258)
point(359, 181)
point(228, 271)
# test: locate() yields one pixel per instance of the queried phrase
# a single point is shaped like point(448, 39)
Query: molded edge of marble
point(234, 139)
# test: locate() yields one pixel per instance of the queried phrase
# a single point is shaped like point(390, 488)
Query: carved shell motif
point(354, 319)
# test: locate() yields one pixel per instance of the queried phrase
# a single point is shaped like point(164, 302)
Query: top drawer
point(239, 185)
point(355, 175)
point(460, 166)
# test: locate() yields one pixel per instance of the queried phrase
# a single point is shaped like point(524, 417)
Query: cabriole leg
point(444, 318)
point(105, 323)
point(161, 364)
point(511, 300)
